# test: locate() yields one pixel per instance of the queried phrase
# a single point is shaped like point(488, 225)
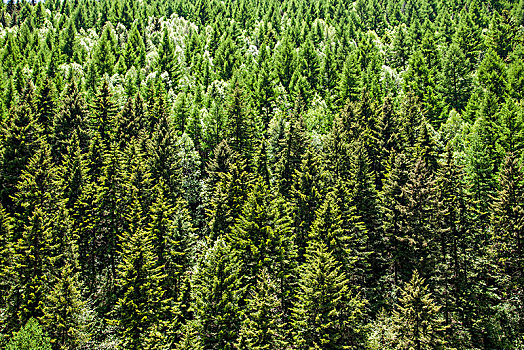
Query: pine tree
point(263, 326)
point(327, 314)
point(217, 294)
point(416, 318)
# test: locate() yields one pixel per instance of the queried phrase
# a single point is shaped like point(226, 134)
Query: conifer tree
point(292, 149)
point(162, 155)
point(238, 125)
point(416, 318)
point(348, 88)
point(228, 198)
point(167, 59)
point(29, 337)
point(104, 112)
point(45, 105)
point(455, 78)
point(306, 197)
point(141, 307)
point(218, 294)
point(36, 187)
point(105, 55)
point(6, 262)
point(135, 52)
point(65, 309)
point(263, 326)
point(173, 241)
point(327, 314)
point(21, 137)
point(260, 236)
point(71, 117)
point(33, 257)
point(508, 229)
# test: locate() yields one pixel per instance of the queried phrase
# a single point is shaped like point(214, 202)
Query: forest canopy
point(242, 174)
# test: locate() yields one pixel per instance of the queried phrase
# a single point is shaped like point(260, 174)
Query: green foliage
point(218, 292)
point(30, 337)
point(326, 314)
point(416, 318)
point(178, 174)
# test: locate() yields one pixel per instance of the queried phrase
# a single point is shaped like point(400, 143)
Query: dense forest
point(262, 174)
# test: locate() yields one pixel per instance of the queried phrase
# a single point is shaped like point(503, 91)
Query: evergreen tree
point(141, 305)
point(416, 318)
point(217, 294)
point(228, 198)
point(21, 137)
point(508, 229)
point(46, 106)
point(30, 337)
point(326, 314)
point(71, 117)
point(104, 112)
point(260, 236)
point(263, 326)
point(306, 197)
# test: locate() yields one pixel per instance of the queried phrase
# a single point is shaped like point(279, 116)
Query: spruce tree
point(416, 318)
point(263, 326)
point(141, 306)
point(71, 116)
point(306, 197)
point(29, 337)
point(261, 236)
point(508, 232)
point(21, 137)
point(104, 112)
point(228, 198)
point(218, 294)
point(327, 314)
